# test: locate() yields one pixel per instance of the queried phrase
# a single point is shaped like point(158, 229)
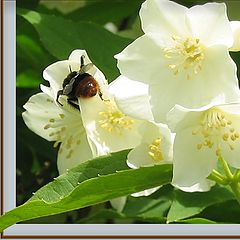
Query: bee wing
point(85, 68)
point(68, 88)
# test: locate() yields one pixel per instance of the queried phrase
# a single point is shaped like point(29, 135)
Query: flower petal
point(177, 115)
point(119, 203)
point(141, 63)
point(79, 152)
point(76, 55)
point(146, 192)
point(217, 30)
point(235, 26)
point(216, 128)
point(190, 165)
point(47, 90)
point(133, 103)
point(165, 18)
point(90, 112)
point(57, 72)
point(222, 82)
point(167, 89)
point(40, 109)
point(107, 133)
point(231, 149)
point(203, 186)
point(60, 124)
point(140, 157)
point(233, 108)
point(231, 156)
point(201, 90)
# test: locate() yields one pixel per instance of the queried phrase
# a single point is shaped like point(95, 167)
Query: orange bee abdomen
point(87, 87)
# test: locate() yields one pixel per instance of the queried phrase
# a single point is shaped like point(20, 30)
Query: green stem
point(227, 171)
point(236, 190)
point(232, 178)
point(236, 175)
point(218, 178)
point(215, 172)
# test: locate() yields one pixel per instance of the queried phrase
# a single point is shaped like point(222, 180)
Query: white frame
point(71, 230)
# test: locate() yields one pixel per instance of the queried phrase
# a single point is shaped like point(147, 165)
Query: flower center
point(186, 54)
point(154, 150)
point(216, 129)
point(113, 120)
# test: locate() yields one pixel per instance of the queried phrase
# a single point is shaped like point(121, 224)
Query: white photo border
point(8, 164)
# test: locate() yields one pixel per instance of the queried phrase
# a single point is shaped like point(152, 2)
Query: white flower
point(203, 186)
point(93, 128)
point(105, 127)
point(203, 136)
point(132, 98)
point(60, 124)
point(184, 60)
point(119, 203)
point(108, 129)
point(155, 148)
point(235, 25)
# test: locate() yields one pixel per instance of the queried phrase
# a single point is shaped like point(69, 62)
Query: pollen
point(216, 130)
point(155, 151)
point(185, 54)
point(61, 115)
point(113, 121)
point(49, 100)
point(65, 134)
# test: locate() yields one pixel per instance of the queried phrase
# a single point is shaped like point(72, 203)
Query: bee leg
point(59, 93)
point(73, 104)
point(101, 96)
point(82, 61)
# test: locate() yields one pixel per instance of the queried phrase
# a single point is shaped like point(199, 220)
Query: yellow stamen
point(113, 120)
point(155, 151)
point(216, 129)
point(187, 54)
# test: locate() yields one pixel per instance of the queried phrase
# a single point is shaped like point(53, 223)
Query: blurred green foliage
point(61, 30)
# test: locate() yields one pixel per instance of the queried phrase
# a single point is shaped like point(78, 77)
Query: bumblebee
point(79, 84)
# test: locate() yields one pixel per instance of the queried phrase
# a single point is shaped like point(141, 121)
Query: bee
point(79, 84)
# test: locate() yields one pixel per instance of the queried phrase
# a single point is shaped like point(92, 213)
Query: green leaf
point(27, 49)
point(27, 4)
point(66, 183)
point(148, 209)
point(28, 79)
point(31, 55)
point(61, 37)
point(153, 208)
point(224, 212)
point(197, 221)
point(65, 194)
point(102, 216)
point(188, 204)
point(102, 12)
